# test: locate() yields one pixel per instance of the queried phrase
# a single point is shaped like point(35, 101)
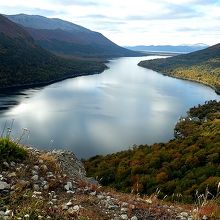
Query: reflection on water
point(104, 113)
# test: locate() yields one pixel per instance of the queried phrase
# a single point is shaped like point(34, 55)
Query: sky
point(133, 22)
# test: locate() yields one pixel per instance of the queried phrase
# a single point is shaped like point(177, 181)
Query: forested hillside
point(22, 62)
point(183, 166)
point(202, 66)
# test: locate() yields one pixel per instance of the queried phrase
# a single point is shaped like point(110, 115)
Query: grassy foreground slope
point(22, 62)
point(182, 166)
point(201, 66)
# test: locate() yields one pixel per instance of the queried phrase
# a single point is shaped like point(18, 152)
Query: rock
point(44, 167)
point(36, 167)
point(34, 172)
point(124, 217)
point(46, 187)
point(41, 161)
point(1, 177)
point(6, 164)
point(184, 214)
point(4, 185)
point(8, 212)
point(13, 174)
point(124, 204)
point(12, 164)
point(69, 203)
point(23, 183)
point(36, 187)
point(76, 208)
point(124, 210)
point(70, 192)
point(100, 196)
point(134, 218)
point(35, 177)
point(26, 216)
point(65, 207)
point(112, 207)
point(68, 186)
point(93, 193)
point(204, 217)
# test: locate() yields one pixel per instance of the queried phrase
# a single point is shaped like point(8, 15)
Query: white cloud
point(133, 22)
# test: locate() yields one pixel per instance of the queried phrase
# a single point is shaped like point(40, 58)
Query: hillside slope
point(23, 62)
point(68, 39)
point(182, 166)
point(201, 66)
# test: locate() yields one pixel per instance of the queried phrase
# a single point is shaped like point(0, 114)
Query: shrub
point(10, 151)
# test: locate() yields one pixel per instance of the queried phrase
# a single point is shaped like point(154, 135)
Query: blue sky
point(133, 22)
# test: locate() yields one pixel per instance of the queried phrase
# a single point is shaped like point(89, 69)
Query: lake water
point(103, 113)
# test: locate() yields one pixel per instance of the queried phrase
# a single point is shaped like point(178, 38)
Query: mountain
point(169, 48)
point(68, 39)
point(179, 170)
point(23, 62)
point(202, 66)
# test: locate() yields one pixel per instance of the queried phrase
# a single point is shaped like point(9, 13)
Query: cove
point(103, 113)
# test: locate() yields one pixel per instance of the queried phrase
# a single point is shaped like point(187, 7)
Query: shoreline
point(183, 78)
point(46, 83)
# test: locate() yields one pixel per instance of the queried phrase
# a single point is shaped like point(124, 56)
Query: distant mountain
point(201, 66)
point(68, 39)
point(169, 48)
point(23, 62)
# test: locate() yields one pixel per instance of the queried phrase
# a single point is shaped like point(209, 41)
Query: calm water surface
point(104, 113)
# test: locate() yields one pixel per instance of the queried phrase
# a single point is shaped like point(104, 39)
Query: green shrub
point(10, 151)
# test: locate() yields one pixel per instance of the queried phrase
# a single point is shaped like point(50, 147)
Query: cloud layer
point(133, 22)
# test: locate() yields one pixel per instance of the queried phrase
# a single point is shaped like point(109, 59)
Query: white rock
point(123, 210)
point(4, 185)
point(35, 177)
point(73, 209)
point(65, 207)
point(70, 192)
point(26, 216)
point(76, 208)
point(93, 193)
point(36, 167)
point(184, 214)
point(124, 217)
point(100, 196)
point(134, 218)
point(69, 203)
point(124, 204)
point(204, 217)
point(8, 212)
point(68, 186)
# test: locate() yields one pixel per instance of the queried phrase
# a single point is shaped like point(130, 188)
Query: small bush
point(10, 151)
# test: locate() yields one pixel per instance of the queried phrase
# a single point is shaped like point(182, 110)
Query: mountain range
point(169, 48)
point(68, 39)
point(202, 66)
point(24, 62)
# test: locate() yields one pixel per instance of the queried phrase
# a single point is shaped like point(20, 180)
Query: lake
point(103, 113)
